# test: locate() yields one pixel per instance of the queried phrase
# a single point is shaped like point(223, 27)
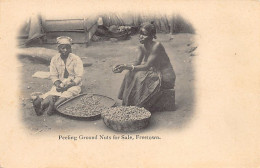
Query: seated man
point(66, 70)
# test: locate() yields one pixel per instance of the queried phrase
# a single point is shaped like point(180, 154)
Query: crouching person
point(66, 70)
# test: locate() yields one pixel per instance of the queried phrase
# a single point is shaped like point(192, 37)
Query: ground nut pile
point(126, 113)
point(85, 106)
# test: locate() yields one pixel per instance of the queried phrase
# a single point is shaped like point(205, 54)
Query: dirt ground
point(99, 78)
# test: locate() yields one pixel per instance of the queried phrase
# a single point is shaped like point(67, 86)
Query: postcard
point(130, 84)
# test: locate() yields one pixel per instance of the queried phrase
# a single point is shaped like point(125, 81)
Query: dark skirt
point(140, 88)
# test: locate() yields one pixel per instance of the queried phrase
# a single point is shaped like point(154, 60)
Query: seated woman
point(151, 72)
point(66, 70)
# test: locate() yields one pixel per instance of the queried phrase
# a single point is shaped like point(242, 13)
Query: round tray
point(126, 125)
point(103, 101)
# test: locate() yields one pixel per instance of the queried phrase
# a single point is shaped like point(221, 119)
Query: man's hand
point(59, 88)
point(70, 85)
point(57, 83)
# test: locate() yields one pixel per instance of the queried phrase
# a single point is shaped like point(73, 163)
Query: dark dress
point(142, 88)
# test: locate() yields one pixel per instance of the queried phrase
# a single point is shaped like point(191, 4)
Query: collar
point(68, 61)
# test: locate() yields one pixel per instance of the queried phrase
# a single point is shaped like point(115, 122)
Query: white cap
point(64, 40)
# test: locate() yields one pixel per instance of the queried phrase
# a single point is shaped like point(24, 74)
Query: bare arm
point(119, 68)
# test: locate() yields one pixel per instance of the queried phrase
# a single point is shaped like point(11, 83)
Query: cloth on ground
point(41, 74)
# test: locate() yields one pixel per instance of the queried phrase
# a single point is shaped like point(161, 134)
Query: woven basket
point(129, 125)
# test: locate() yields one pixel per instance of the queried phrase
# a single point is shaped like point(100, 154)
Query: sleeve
point(54, 74)
point(78, 71)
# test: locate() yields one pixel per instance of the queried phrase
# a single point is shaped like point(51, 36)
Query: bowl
point(126, 118)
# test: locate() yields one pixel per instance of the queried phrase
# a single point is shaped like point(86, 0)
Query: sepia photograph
point(133, 71)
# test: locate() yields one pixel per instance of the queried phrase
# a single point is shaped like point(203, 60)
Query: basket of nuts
point(88, 106)
point(126, 118)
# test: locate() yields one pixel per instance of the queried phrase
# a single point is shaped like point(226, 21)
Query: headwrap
point(64, 40)
point(150, 28)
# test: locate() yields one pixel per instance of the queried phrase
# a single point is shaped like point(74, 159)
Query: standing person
point(66, 70)
point(149, 74)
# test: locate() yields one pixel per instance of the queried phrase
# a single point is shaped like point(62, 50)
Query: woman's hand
point(118, 68)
